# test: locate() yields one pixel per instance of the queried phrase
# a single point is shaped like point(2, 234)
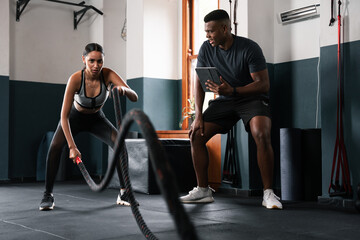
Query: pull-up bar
point(19, 10)
point(82, 11)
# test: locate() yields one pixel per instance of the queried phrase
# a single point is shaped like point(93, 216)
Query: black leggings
point(96, 124)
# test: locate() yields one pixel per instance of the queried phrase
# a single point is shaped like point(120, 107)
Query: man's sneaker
point(47, 203)
point(270, 200)
point(199, 195)
point(123, 199)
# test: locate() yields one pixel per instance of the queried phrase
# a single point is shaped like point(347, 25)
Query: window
point(193, 13)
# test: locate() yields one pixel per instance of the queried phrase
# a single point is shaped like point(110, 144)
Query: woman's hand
point(73, 153)
point(122, 90)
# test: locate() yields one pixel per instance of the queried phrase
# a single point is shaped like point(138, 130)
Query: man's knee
point(262, 138)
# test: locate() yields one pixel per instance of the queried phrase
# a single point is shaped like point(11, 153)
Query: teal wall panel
point(294, 93)
point(160, 103)
point(34, 110)
point(159, 99)
point(4, 129)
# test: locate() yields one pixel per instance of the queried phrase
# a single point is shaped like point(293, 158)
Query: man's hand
point(197, 125)
point(224, 88)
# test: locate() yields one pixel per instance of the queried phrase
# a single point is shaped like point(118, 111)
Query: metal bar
point(76, 21)
point(69, 3)
point(18, 10)
point(82, 4)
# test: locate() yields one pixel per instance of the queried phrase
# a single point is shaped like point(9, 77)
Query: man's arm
point(260, 84)
point(199, 101)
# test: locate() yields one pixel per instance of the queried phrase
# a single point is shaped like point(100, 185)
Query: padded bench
point(142, 177)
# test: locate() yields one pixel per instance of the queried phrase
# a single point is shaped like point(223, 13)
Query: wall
point(152, 60)
point(44, 50)
point(351, 74)
point(4, 89)
point(114, 45)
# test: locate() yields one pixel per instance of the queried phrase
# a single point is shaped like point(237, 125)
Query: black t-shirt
point(235, 64)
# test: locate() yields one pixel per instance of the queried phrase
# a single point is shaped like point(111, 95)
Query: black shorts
point(227, 112)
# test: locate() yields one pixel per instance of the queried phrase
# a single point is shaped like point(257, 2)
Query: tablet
point(207, 73)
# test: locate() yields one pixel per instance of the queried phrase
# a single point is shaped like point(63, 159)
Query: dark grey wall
point(4, 127)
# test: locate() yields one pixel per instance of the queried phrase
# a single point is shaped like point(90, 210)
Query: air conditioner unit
point(300, 14)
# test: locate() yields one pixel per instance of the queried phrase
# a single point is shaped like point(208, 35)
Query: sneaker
point(47, 203)
point(123, 199)
point(270, 200)
point(199, 195)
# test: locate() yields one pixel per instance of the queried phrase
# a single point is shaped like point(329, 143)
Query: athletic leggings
point(96, 124)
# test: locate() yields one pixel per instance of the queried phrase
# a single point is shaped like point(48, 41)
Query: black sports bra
point(91, 102)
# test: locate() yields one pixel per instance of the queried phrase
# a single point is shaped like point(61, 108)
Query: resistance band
point(163, 172)
point(339, 158)
point(230, 169)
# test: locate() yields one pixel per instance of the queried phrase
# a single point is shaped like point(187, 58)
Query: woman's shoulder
point(108, 74)
point(75, 80)
point(106, 71)
point(76, 75)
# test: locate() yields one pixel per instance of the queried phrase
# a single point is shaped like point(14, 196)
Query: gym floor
point(80, 213)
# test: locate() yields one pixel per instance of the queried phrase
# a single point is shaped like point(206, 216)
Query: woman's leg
point(53, 158)
point(105, 131)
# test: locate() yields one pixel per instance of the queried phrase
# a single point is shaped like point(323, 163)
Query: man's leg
point(261, 131)
point(199, 151)
point(202, 193)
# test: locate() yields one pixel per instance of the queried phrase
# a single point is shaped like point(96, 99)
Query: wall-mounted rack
point(81, 12)
point(21, 5)
point(19, 10)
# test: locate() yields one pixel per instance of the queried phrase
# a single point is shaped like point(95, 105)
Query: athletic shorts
point(227, 112)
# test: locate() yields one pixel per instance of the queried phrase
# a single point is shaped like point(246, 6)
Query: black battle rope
point(164, 174)
point(339, 158)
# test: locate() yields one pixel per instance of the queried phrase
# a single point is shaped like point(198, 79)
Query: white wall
point(135, 39)
point(350, 20)
point(255, 20)
point(44, 47)
point(298, 40)
point(161, 39)
point(95, 23)
point(4, 39)
point(114, 45)
point(261, 26)
point(152, 45)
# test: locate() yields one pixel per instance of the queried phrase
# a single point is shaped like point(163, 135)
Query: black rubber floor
point(82, 214)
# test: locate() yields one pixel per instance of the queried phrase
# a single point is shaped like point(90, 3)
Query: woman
point(85, 95)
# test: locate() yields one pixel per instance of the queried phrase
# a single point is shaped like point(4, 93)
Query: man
point(243, 94)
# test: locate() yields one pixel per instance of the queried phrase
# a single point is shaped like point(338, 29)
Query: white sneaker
point(123, 199)
point(270, 200)
point(199, 195)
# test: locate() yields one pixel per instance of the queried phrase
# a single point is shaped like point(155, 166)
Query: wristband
point(234, 91)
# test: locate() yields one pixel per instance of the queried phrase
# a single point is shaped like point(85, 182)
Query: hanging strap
point(339, 158)
point(332, 19)
point(230, 168)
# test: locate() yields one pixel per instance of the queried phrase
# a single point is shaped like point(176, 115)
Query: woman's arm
point(72, 87)
point(120, 84)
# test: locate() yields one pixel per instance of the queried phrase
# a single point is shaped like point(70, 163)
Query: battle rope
point(339, 158)
point(164, 174)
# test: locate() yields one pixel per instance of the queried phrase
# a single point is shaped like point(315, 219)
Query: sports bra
point(91, 102)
